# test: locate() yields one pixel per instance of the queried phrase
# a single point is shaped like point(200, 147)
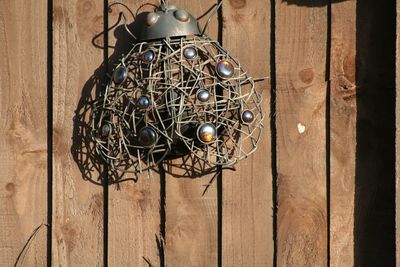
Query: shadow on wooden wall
point(312, 3)
point(374, 224)
point(83, 148)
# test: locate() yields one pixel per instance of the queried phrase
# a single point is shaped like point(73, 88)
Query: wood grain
point(77, 199)
point(191, 217)
point(134, 223)
point(134, 216)
point(247, 212)
point(301, 37)
point(23, 128)
point(343, 114)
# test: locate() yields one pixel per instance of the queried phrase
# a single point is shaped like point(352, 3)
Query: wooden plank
point(77, 196)
point(191, 217)
point(343, 114)
point(23, 146)
point(134, 223)
point(247, 214)
point(301, 37)
point(134, 207)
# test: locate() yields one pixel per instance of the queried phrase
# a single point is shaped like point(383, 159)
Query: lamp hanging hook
point(123, 16)
point(216, 7)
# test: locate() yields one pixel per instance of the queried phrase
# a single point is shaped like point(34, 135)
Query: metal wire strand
point(171, 83)
point(216, 7)
point(123, 5)
point(121, 14)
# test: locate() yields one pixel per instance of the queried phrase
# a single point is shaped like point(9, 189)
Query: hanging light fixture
point(177, 92)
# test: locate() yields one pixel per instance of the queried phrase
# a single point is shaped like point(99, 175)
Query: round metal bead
point(247, 116)
point(152, 18)
point(120, 75)
point(207, 133)
point(190, 53)
point(143, 102)
point(225, 69)
point(181, 15)
point(148, 56)
point(147, 137)
point(105, 130)
point(203, 95)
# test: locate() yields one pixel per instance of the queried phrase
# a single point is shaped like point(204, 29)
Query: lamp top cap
point(168, 21)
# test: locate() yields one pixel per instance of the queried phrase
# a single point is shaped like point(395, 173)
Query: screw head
point(207, 133)
point(120, 75)
point(147, 137)
point(247, 116)
point(225, 69)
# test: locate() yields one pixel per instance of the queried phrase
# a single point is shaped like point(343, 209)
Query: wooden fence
point(319, 191)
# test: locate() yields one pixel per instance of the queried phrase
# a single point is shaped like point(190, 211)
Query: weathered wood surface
point(182, 229)
point(23, 128)
point(301, 37)
point(134, 223)
point(247, 213)
point(342, 133)
point(191, 215)
point(134, 206)
point(77, 202)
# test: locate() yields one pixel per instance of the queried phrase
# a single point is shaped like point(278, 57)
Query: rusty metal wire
point(171, 82)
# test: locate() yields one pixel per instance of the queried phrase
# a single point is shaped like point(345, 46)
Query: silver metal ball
point(147, 137)
point(190, 53)
point(203, 95)
point(181, 15)
point(143, 102)
point(225, 69)
point(247, 116)
point(148, 56)
point(105, 130)
point(152, 18)
point(120, 75)
point(207, 133)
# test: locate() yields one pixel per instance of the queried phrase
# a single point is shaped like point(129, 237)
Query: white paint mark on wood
point(301, 128)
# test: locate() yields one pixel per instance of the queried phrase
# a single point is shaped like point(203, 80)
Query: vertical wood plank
point(134, 207)
point(247, 214)
point(301, 36)
point(77, 203)
point(134, 223)
point(23, 146)
point(191, 217)
point(343, 133)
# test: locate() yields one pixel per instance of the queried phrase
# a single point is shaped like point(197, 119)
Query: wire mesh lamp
point(176, 94)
